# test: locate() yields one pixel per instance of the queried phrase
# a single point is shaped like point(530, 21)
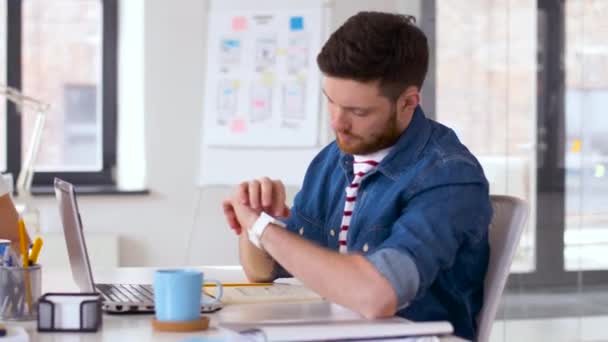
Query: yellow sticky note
point(268, 79)
point(281, 52)
point(577, 145)
point(236, 83)
point(600, 170)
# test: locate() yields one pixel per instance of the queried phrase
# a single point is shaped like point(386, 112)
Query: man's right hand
point(261, 194)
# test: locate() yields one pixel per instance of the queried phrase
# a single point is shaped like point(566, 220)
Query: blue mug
point(177, 294)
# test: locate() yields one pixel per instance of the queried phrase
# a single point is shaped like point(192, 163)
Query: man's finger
point(230, 215)
point(267, 193)
point(254, 194)
point(243, 193)
point(279, 198)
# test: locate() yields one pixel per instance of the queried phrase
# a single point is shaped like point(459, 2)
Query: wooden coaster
point(196, 325)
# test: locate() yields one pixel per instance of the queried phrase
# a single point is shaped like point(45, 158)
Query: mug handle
point(218, 293)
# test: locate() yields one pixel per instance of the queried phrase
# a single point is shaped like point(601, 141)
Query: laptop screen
point(74, 237)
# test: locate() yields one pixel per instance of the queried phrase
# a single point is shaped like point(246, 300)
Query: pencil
point(23, 242)
point(238, 284)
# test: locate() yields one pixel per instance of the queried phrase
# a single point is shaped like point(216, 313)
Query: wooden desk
point(138, 327)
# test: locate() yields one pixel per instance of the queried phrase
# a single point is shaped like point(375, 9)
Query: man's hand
point(258, 195)
point(244, 215)
point(265, 195)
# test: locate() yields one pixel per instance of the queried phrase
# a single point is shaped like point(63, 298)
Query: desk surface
point(138, 327)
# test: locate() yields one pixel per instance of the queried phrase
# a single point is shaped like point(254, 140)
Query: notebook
point(362, 329)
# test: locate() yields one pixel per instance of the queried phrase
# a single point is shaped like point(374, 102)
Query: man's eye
point(359, 112)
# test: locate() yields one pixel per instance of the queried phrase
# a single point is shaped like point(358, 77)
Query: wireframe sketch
point(230, 52)
point(294, 100)
point(260, 102)
point(227, 101)
point(265, 52)
point(297, 52)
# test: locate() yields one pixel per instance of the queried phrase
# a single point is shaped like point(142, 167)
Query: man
point(392, 217)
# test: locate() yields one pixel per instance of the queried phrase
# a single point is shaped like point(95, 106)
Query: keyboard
point(126, 293)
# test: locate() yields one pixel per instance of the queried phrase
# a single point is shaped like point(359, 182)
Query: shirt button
point(302, 231)
point(365, 248)
point(332, 232)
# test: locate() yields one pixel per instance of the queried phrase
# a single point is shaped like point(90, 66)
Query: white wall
point(154, 229)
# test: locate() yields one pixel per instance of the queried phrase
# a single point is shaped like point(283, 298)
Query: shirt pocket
point(309, 228)
point(369, 240)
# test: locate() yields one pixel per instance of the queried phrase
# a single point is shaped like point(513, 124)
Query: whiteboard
point(262, 82)
point(276, 130)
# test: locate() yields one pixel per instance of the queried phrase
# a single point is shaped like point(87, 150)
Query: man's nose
point(339, 120)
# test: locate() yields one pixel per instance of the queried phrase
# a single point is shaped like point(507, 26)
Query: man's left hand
point(245, 215)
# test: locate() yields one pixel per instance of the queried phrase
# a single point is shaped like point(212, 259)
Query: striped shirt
point(362, 165)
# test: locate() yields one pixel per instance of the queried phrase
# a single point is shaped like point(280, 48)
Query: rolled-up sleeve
point(427, 236)
point(400, 270)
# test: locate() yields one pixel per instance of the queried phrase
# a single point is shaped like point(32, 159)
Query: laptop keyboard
point(126, 293)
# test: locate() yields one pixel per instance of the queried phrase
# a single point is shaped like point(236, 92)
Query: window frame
point(109, 82)
point(550, 207)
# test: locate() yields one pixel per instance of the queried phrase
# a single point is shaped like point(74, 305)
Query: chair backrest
point(510, 215)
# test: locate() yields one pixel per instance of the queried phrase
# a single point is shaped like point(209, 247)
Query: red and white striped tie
point(360, 168)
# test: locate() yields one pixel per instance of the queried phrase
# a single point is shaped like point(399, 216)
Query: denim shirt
point(421, 218)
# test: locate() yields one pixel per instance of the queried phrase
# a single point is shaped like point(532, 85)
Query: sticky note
point(600, 171)
point(236, 84)
point(259, 103)
point(281, 52)
point(268, 79)
point(238, 126)
point(296, 23)
point(231, 43)
point(239, 24)
point(577, 145)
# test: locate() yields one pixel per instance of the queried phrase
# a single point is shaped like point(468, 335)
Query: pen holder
point(19, 291)
point(69, 312)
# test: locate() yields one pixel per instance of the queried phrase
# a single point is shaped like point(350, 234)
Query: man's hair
point(373, 46)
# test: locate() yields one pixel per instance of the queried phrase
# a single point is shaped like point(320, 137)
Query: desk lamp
point(26, 175)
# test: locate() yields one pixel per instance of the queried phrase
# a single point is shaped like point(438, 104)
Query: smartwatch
point(256, 231)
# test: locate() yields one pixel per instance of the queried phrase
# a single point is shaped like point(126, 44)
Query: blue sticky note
point(296, 23)
point(231, 43)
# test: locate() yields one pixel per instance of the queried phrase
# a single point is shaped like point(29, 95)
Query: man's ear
point(408, 100)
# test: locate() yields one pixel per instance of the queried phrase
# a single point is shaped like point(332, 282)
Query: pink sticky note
point(259, 104)
point(238, 126)
point(239, 24)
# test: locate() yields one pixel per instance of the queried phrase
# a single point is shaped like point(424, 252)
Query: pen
point(35, 250)
point(23, 242)
point(238, 284)
point(23, 245)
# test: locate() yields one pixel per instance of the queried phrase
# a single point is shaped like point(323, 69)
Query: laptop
point(117, 298)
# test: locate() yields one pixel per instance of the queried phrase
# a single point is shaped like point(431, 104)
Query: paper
point(270, 57)
point(394, 329)
point(274, 293)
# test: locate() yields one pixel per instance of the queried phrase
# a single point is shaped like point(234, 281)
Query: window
point(486, 91)
point(3, 130)
point(524, 85)
point(66, 56)
point(586, 134)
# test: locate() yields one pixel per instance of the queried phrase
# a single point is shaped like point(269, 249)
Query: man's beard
point(386, 138)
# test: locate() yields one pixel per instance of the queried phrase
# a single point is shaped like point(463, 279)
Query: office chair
point(510, 215)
